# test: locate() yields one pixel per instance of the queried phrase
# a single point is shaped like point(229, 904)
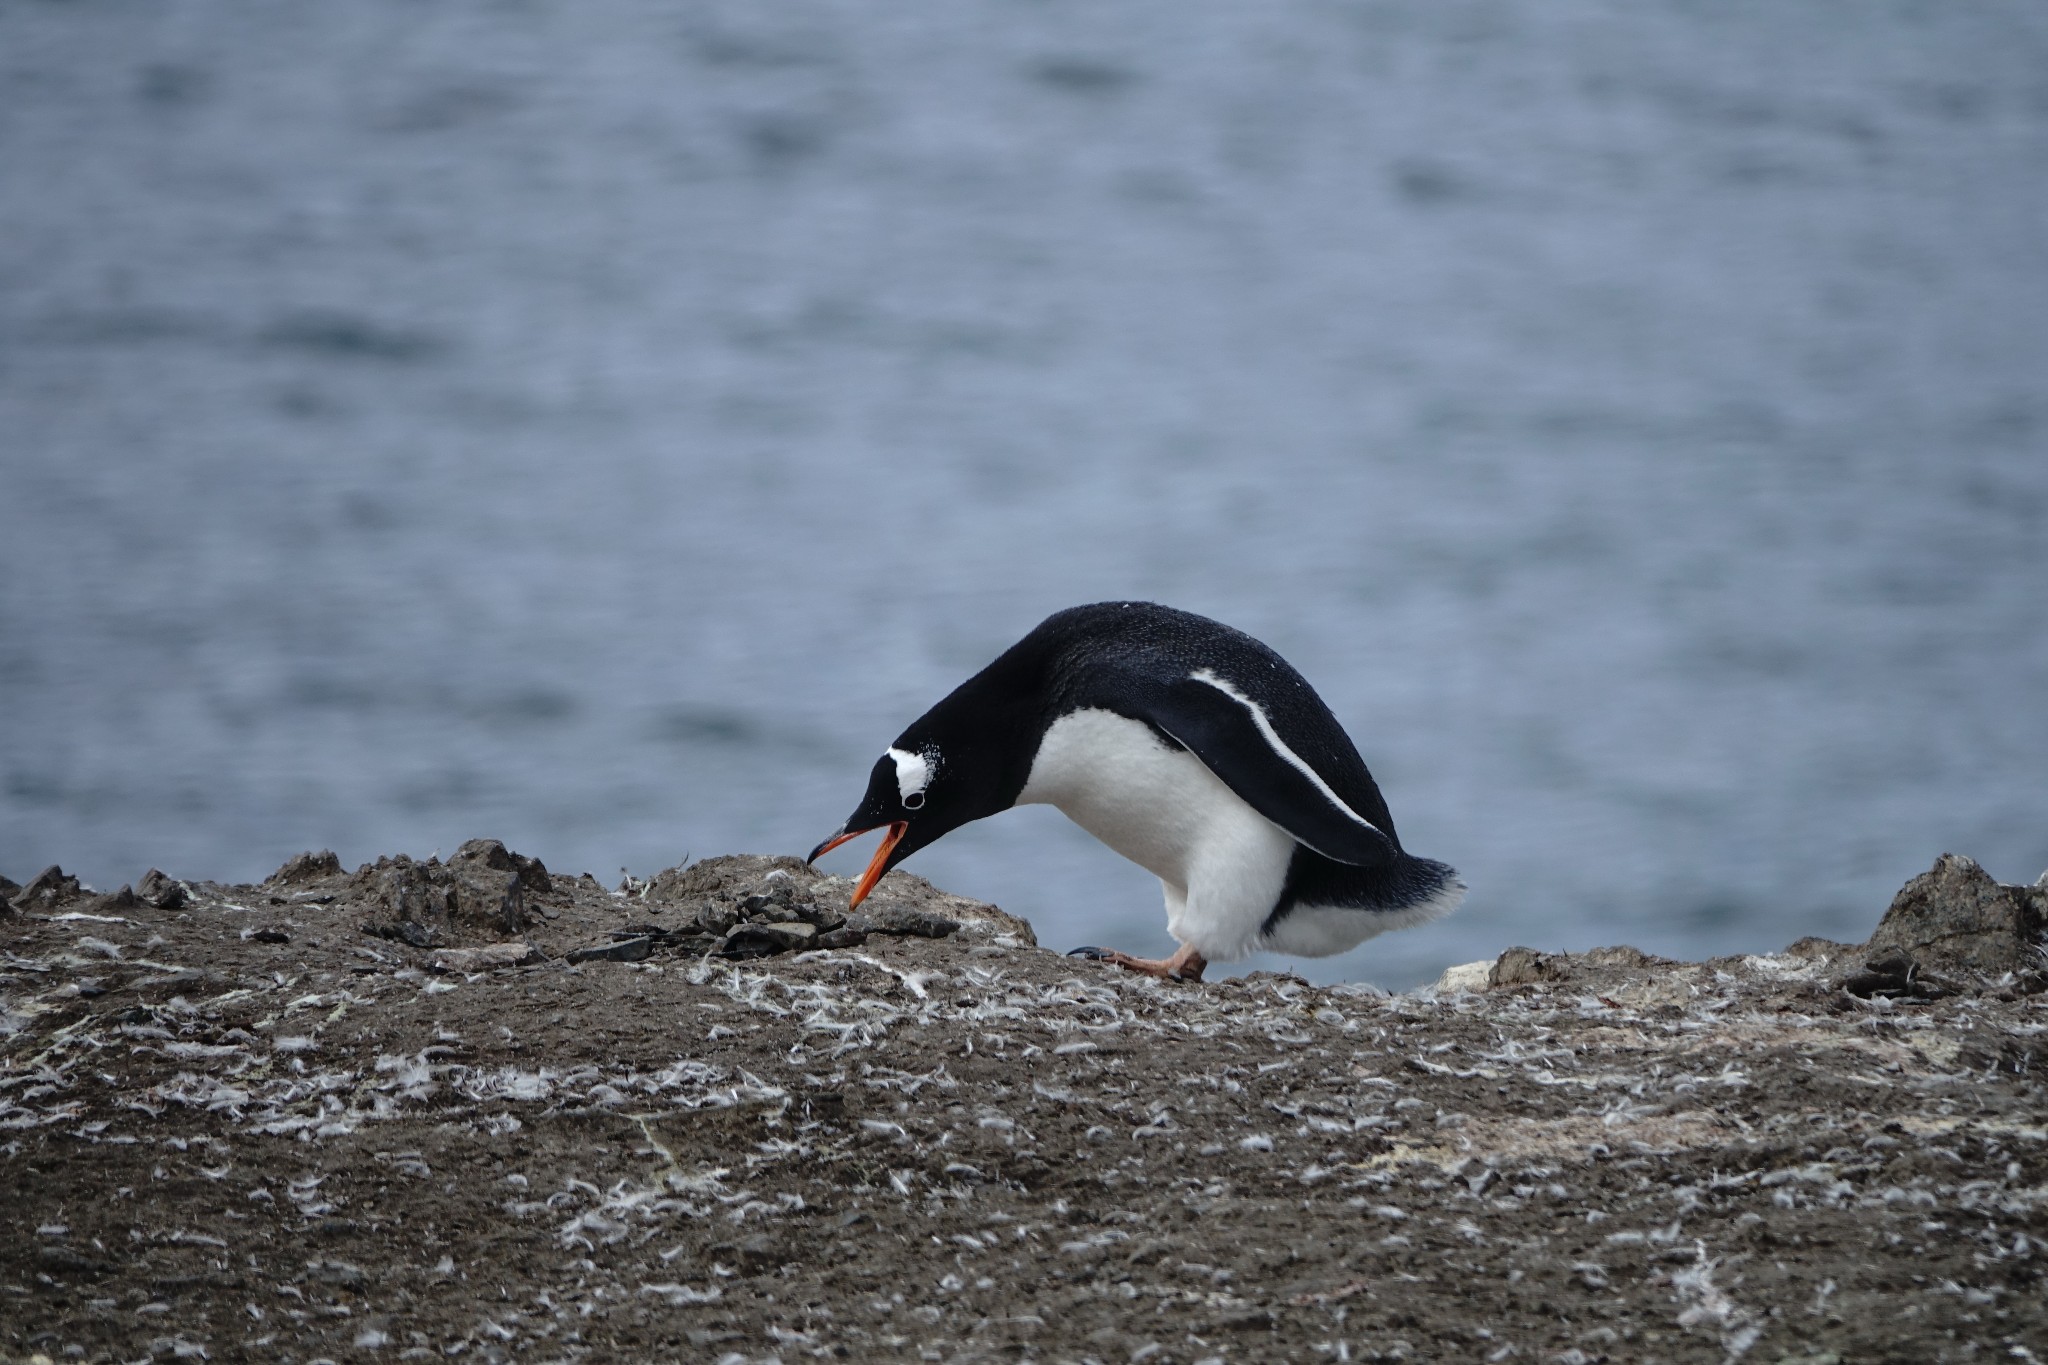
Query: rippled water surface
point(604, 425)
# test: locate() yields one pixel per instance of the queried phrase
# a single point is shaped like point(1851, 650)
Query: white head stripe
point(1279, 746)
point(913, 773)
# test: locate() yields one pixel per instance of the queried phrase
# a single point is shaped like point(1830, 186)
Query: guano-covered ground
point(386, 1115)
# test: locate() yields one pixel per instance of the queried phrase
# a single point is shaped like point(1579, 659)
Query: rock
point(626, 950)
point(696, 945)
point(715, 919)
point(1467, 976)
point(8, 891)
point(821, 900)
point(733, 877)
point(483, 959)
point(765, 940)
point(762, 904)
point(899, 919)
point(1896, 976)
point(823, 917)
point(161, 891)
point(533, 874)
point(410, 890)
point(1955, 920)
point(840, 938)
point(409, 932)
point(1524, 966)
point(124, 899)
point(493, 897)
point(51, 886)
point(306, 867)
point(466, 894)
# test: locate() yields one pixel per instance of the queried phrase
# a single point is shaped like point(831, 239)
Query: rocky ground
point(469, 1110)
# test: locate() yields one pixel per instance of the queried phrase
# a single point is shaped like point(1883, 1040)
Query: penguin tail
point(1414, 891)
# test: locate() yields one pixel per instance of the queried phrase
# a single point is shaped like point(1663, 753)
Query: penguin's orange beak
point(876, 866)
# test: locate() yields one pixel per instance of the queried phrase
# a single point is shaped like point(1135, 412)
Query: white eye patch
point(914, 773)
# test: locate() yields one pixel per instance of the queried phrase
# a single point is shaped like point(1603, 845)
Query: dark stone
point(839, 938)
point(124, 899)
point(409, 932)
point(51, 886)
point(161, 891)
point(901, 920)
point(765, 940)
point(1895, 976)
point(533, 874)
point(490, 896)
point(306, 867)
point(716, 919)
point(694, 945)
point(273, 936)
point(731, 877)
point(748, 941)
point(469, 891)
point(630, 950)
point(821, 916)
point(410, 890)
point(489, 852)
point(793, 933)
point(1523, 966)
point(1955, 920)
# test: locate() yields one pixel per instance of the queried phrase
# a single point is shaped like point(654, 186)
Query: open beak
point(876, 867)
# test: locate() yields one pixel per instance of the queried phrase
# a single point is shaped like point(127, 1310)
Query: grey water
point(604, 425)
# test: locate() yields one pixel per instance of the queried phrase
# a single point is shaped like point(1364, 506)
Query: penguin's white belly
point(1222, 863)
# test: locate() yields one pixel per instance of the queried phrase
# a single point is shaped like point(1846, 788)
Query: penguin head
point(919, 791)
point(965, 759)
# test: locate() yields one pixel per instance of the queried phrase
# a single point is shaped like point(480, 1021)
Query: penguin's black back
point(1114, 655)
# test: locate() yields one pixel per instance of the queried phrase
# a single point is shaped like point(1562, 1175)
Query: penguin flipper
point(1233, 737)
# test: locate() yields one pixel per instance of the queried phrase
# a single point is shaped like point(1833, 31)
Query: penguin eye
point(914, 772)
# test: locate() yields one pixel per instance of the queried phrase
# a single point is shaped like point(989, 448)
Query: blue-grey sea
point(603, 424)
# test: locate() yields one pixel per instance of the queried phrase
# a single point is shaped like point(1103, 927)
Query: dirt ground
point(309, 1120)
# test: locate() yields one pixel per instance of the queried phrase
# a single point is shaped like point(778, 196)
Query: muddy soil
point(386, 1115)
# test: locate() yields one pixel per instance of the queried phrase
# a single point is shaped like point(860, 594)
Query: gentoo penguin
point(1188, 747)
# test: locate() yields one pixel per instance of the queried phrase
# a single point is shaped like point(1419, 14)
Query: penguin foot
point(1185, 965)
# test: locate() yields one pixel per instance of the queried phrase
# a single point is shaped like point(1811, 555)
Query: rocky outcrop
point(1954, 920)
